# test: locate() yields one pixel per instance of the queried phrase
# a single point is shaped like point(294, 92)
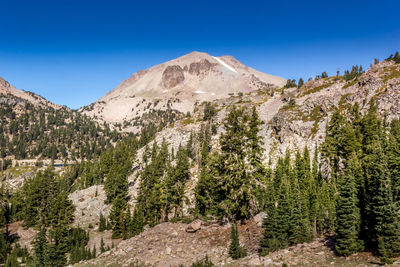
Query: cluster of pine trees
point(163, 178)
point(363, 152)
point(157, 118)
point(161, 192)
point(299, 205)
point(395, 57)
point(231, 179)
point(114, 165)
point(51, 133)
point(162, 183)
point(355, 72)
point(42, 203)
point(358, 199)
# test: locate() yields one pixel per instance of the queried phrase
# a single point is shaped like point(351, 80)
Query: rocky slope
point(10, 94)
point(297, 117)
point(170, 244)
point(178, 84)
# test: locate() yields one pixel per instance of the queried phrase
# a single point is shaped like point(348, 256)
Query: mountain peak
point(179, 84)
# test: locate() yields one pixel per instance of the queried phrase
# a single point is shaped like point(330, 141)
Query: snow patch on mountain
point(225, 65)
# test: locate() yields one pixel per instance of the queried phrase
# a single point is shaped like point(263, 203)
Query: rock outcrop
point(172, 76)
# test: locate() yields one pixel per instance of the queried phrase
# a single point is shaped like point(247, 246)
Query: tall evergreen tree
point(102, 223)
point(393, 155)
point(117, 216)
point(348, 212)
point(40, 248)
point(235, 250)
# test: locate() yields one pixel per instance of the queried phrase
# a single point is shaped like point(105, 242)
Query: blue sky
point(73, 52)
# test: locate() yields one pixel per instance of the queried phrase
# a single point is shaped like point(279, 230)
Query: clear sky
point(74, 51)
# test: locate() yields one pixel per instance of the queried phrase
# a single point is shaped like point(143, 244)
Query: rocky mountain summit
point(179, 84)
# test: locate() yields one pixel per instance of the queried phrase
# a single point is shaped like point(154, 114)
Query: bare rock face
point(200, 67)
point(89, 205)
point(172, 76)
point(4, 84)
point(25, 235)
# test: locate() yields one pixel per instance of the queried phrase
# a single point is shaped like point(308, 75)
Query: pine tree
point(235, 177)
point(151, 195)
point(174, 183)
point(189, 146)
point(255, 146)
point(137, 221)
point(301, 83)
point(205, 146)
point(235, 250)
point(117, 216)
point(393, 154)
point(94, 253)
point(127, 222)
point(102, 248)
point(5, 246)
point(348, 212)
point(300, 228)
point(40, 248)
point(12, 260)
point(283, 213)
point(313, 193)
point(102, 223)
point(270, 240)
point(58, 247)
point(375, 171)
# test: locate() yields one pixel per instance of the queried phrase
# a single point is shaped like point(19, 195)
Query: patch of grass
point(289, 107)
point(187, 121)
point(17, 171)
point(342, 99)
point(393, 73)
point(315, 115)
point(317, 89)
point(353, 82)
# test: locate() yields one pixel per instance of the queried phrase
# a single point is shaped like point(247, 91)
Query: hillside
point(180, 85)
point(36, 129)
point(11, 95)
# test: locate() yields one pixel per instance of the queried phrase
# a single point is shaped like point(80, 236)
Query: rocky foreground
point(177, 244)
